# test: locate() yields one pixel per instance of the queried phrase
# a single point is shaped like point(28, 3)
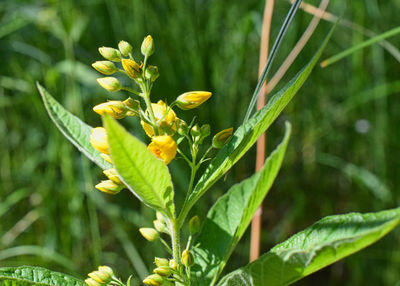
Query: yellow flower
point(192, 99)
point(98, 139)
point(114, 108)
point(132, 68)
point(169, 120)
point(222, 137)
point(163, 147)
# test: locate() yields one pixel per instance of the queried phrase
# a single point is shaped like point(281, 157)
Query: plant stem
point(146, 97)
point(175, 239)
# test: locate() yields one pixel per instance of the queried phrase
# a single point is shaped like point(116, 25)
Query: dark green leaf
point(35, 276)
point(230, 216)
point(72, 127)
point(327, 241)
point(144, 174)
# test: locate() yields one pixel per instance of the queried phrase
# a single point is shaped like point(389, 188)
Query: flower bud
point(163, 271)
point(147, 47)
point(113, 176)
point(105, 67)
point(110, 54)
point(165, 116)
point(195, 131)
point(106, 157)
point(125, 48)
point(106, 269)
point(160, 216)
point(132, 68)
point(183, 128)
point(194, 225)
point(151, 73)
point(149, 233)
point(192, 99)
point(160, 226)
point(92, 282)
point(221, 138)
point(205, 130)
point(173, 265)
point(109, 83)
point(109, 187)
point(98, 139)
point(153, 280)
point(161, 261)
point(114, 108)
point(187, 258)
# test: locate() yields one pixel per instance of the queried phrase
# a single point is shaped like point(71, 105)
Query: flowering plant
point(142, 169)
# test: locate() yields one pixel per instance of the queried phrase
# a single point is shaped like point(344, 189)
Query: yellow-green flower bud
point(160, 216)
point(106, 158)
point(151, 73)
point(99, 140)
point(100, 277)
point(153, 280)
point(149, 233)
point(161, 261)
point(132, 104)
point(92, 282)
point(107, 270)
point(147, 47)
point(132, 68)
point(109, 187)
point(105, 67)
point(114, 108)
point(125, 48)
point(113, 176)
point(192, 99)
point(109, 83)
point(173, 265)
point(221, 138)
point(187, 258)
point(160, 226)
point(205, 130)
point(163, 271)
point(194, 225)
point(110, 54)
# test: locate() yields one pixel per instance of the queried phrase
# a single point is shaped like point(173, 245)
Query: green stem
point(166, 246)
point(175, 238)
point(146, 97)
point(132, 91)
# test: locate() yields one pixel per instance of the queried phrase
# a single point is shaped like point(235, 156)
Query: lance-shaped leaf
point(36, 276)
point(248, 133)
point(228, 219)
point(72, 127)
point(325, 242)
point(144, 174)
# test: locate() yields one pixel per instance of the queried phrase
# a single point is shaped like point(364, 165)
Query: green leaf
point(72, 127)
point(36, 276)
point(247, 134)
point(145, 175)
point(327, 241)
point(230, 216)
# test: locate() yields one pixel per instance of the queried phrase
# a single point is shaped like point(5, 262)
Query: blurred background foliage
point(343, 155)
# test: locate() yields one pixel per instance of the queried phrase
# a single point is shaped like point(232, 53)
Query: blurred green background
point(343, 155)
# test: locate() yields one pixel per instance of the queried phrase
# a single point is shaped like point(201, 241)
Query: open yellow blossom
point(169, 120)
point(98, 139)
point(192, 99)
point(163, 147)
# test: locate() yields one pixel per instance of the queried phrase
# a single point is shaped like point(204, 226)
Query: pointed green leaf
point(36, 276)
point(325, 242)
point(72, 127)
point(248, 133)
point(145, 175)
point(228, 219)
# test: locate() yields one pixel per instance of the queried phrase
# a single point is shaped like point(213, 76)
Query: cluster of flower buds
point(165, 273)
point(103, 276)
point(99, 141)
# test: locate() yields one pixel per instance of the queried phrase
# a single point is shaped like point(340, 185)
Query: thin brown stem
point(265, 36)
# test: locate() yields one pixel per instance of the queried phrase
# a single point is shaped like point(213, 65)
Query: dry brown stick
point(319, 13)
point(265, 35)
